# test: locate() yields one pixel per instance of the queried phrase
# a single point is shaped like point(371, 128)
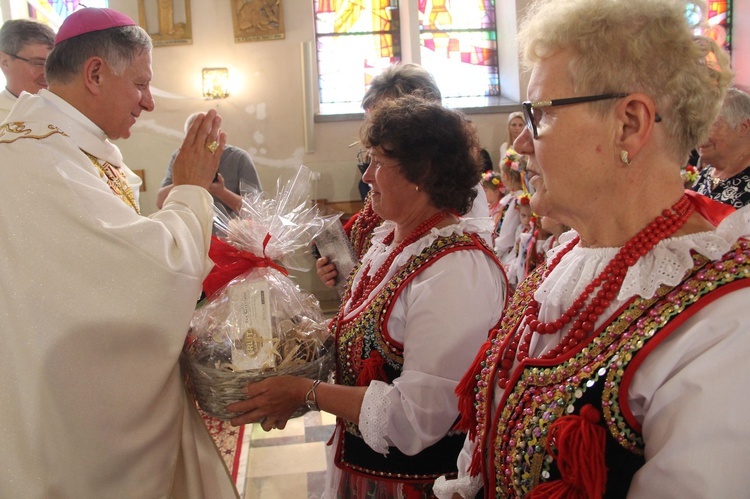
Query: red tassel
point(577, 443)
point(467, 421)
point(372, 369)
point(475, 468)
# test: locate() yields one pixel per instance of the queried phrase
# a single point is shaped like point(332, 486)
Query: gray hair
point(736, 107)
point(189, 120)
point(635, 46)
point(400, 80)
point(17, 33)
point(117, 46)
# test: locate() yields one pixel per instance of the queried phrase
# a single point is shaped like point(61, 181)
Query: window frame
point(509, 76)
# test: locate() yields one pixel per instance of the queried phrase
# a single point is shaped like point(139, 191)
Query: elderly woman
point(395, 81)
point(614, 371)
point(726, 153)
point(416, 310)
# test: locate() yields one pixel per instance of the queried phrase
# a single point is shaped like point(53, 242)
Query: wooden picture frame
point(166, 21)
point(256, 20)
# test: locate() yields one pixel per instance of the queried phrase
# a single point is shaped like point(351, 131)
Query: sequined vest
point(596, 374)
point(364, 352)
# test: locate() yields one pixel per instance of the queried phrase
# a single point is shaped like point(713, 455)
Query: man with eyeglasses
point(24, 46)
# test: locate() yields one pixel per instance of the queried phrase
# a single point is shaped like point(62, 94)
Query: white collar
point(379, 251)
point(666, 264)
point(48, 108)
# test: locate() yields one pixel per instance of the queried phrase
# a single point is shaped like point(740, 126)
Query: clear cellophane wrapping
point(260, 323)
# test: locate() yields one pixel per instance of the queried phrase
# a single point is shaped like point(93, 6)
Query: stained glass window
point(720, 22)
point(356, 39)
point(54, 12)
point(458, 41)
point(715, 22)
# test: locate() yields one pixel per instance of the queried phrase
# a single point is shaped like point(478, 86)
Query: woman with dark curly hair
point(420, 302)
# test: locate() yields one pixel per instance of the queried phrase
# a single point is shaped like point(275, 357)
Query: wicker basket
point(214, 389)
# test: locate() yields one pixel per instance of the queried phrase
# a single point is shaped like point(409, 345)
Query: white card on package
point(250, 315)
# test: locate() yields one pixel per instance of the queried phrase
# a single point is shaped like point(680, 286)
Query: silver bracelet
point(310, 400)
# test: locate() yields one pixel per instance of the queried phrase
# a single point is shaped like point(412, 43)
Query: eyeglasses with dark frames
point(37, 62)
point(532, 110)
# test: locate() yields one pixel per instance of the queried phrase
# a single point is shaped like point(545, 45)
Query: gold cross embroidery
point(116, 181)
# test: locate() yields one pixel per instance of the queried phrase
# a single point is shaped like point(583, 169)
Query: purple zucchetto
point(88, 20)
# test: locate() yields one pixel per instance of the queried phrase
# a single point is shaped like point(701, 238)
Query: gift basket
point(255, 321)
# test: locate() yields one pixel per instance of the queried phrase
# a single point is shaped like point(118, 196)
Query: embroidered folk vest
point(596, 375)
point(364, 352)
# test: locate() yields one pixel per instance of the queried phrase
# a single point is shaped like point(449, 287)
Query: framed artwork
point(257, 20)
point(167, 21)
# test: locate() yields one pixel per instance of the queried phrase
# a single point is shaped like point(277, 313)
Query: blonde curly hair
point(634, 46)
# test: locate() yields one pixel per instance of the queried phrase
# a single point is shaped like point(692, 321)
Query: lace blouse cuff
point(373, 418)
point(467, 486)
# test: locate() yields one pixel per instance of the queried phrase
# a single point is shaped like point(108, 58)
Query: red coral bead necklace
point(366, 283)
point(584, 313)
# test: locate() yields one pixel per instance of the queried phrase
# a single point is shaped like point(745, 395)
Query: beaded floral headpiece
point(492, 180)
point(514, 161)
point(524, 199)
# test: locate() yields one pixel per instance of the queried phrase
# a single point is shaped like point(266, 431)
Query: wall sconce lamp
point(215, 83)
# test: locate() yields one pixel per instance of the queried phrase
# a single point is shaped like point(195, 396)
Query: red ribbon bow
point(229, 262)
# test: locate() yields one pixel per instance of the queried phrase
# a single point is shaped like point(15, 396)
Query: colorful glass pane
point(459, 46)
point(356, 40)
point(54, 12)
point(720, 22)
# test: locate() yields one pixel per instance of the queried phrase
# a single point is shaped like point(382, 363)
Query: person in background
point(512, 170)
point(24, 47)
point(486, 160)
point(725, 156)
point(395, 81)
point(420, 301)
point(553, 230)
point(514, 262)
point(614, 372)
point(494, 190)
point(363, 161)
point(93, 403)
point(515, 127)
point(236, 170)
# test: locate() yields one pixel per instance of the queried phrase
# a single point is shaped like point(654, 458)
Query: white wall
point(264, 115)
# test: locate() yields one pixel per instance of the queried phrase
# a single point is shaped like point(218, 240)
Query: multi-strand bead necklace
point(584, 313)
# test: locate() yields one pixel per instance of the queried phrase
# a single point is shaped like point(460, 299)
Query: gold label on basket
point(253, 342)
point(250, 325)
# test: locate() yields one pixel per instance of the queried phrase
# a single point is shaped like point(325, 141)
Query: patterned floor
point(288, 463)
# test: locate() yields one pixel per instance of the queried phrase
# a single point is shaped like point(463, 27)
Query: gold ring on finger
point(212, 146)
